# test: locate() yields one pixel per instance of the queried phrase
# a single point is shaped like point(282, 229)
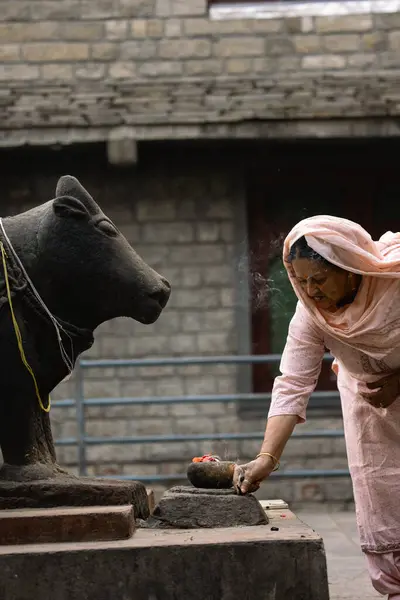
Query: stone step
point(60, 525)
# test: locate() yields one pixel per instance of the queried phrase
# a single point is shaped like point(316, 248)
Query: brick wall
point(163, 68)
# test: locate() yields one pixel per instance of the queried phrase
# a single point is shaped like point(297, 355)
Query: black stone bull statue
point(64, 269)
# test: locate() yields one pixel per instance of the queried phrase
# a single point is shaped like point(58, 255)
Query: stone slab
point(187, 508)
point(74, 491)
point(60, 525)
point(282, 561)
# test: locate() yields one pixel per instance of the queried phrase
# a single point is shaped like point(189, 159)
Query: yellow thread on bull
point(18, 333)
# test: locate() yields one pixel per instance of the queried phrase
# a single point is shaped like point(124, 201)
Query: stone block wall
point(165, 69)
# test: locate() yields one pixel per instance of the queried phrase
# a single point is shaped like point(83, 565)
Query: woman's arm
point(277, 433)
point(300, 367)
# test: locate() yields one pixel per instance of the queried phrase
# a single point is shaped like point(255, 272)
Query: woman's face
point(326, 285)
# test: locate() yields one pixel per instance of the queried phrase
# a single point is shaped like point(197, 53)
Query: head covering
point(371, 323)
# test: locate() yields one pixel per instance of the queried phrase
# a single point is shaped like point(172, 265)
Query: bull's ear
point(69, 186)
point(66, 206)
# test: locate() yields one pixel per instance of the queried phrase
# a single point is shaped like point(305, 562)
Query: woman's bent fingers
point(238, 477)
point(242, 481)
point(248, 487)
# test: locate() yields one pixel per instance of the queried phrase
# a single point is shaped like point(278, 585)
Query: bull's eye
point(107, 228)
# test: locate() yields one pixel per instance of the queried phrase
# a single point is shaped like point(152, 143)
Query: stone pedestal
point(187, 508)
point(61, 525)
point(66, 490)
point(284, 560)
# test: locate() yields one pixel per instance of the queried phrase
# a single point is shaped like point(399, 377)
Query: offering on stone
point(210, 472)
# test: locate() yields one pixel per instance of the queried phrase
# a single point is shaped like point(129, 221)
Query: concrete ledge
point(284, 560)
point(318, 127)
point(97, 523)
point(302, 9)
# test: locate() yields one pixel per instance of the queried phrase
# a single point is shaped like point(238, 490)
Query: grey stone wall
point(163, 66)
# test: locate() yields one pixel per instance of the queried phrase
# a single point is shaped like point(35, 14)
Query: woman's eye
point(107, 228)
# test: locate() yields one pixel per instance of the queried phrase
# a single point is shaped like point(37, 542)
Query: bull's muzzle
point(162, 293)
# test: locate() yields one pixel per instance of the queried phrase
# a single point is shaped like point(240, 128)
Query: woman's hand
point(247, 478)
point(384, 391)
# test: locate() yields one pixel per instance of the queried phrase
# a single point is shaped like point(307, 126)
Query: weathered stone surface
point(345, 23)
point(208, 100)
point(49, 52)
point(116, 29)
point(349, 42)
point(69, 491)
point(29, 32)
point(192, 508)
point(18, 71)
point(324, 61)
point(239, 46)
point(212, 564)
point(9, 52)
point(184, 48)
point(146, 54)
point(63, 525)
point(394, 40)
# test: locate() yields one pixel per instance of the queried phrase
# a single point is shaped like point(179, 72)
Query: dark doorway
point(356, 180)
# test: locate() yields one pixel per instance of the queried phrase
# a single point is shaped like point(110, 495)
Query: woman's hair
point(300, 249)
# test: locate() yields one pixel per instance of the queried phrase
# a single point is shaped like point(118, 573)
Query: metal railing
point(319, 399)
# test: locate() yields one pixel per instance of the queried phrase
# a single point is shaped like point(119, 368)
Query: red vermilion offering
point(206, 458)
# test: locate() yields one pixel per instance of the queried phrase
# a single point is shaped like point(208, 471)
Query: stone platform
point(60, 525)
point(284, 560)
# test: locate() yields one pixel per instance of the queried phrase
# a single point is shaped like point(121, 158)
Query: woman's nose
point(310, 288)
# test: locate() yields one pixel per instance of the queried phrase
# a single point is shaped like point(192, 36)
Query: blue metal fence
point(320, 399)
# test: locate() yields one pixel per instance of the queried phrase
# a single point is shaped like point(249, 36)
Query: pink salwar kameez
point(364, 339)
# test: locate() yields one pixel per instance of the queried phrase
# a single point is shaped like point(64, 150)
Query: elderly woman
point(348, 289)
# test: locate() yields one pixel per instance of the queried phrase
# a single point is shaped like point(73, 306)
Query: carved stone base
point(66, 525)
point(65, 490)
point(188, 508)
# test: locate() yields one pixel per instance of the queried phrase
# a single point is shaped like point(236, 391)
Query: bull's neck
point(23, 232)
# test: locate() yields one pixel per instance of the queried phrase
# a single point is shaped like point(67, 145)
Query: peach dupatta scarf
point(371, 324)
